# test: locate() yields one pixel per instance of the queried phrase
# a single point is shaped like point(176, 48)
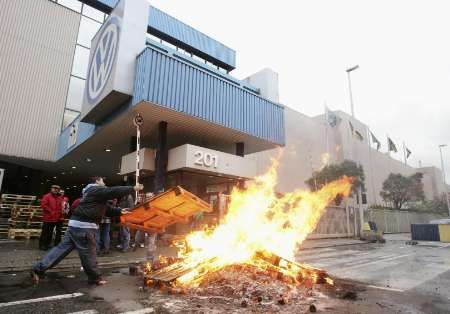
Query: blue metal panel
point(178, 33)
point(165, 80)
point(425, 232)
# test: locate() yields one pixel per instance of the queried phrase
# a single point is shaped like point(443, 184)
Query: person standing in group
point(51, 205)
point(65, 204)
point(104, 228)
point(142, 237)
point(82, 228)
point(125, 202)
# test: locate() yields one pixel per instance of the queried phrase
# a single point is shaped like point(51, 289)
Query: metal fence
point(336, 222)
point(398, 221)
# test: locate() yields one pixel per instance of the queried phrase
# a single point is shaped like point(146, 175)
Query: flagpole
point(389, 153)
point(369, 139)
point(404, 152)
point(326, 133)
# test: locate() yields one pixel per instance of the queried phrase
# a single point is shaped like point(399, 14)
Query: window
point(69, 116)
point(154, 38)
point(75, 93)
point(198, 59)
point(88, 29)
point(80, 61)
point(71, 4)
point(93, 13)
point(167, 44)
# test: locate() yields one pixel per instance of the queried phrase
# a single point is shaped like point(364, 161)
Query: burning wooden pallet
point(173, 206)
point(278, 267)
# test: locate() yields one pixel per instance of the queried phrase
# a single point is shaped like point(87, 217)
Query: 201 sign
point(206, 159)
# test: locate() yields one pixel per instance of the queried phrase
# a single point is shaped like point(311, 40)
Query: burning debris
point(248, 258)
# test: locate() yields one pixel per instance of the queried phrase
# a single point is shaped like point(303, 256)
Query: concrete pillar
point(240, 149)
point(161, 158)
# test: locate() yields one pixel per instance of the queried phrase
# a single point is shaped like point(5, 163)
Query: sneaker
point(34, 277)
point(99, 282)
point(141, 245)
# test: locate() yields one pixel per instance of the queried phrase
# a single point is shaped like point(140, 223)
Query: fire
point(258, 221)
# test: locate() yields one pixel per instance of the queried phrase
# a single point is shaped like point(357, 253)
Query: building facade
point(76, 75)
point(313, 142)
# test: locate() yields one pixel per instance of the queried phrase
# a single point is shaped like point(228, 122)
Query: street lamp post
point(443, 177)
point(350, 87)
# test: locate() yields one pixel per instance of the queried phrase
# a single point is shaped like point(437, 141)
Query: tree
point(336, 171)
point(399, 189)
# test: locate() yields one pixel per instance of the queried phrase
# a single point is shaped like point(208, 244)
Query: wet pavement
point(388, 278)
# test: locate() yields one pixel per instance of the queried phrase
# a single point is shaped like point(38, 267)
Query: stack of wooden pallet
point(19, 217)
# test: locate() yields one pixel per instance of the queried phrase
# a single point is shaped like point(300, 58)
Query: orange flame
point(259, 221)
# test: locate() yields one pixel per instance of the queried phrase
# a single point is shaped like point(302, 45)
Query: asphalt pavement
point(391, 278)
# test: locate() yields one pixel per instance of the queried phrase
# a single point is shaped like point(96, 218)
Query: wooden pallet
point(155, 215)
point(24, 233)
point(11, 199)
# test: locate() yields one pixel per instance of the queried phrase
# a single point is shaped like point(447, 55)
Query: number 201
point(206, 159)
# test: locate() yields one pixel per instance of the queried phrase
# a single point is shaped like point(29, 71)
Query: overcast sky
point(402, 47)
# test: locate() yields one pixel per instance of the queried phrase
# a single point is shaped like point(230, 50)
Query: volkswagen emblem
point(102, 59)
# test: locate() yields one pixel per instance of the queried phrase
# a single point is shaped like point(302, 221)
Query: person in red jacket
point(51, 205)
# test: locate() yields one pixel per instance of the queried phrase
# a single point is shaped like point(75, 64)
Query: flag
point(351, 126)
point(391, 145)
point(355, 133)
point(358, 135)
point(408, 152)
point(331, 117)
point(375, 140)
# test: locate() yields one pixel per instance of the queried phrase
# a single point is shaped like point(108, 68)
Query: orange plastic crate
point(173, 206)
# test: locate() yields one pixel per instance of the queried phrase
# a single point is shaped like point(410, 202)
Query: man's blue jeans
point(81, 239)
point(124, 237)
point(103, 238)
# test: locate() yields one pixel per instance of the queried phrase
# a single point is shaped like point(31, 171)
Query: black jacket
point(93, 206)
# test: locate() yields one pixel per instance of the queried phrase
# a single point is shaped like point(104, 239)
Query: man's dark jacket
point(93, 206)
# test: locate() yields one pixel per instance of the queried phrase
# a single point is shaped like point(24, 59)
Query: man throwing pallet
point(82, 229)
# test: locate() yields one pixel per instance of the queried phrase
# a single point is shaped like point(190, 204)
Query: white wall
point(309, 140)
point(37, 42)
point(267, 82)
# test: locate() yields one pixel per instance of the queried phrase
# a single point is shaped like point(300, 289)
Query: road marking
point(141, 311)
point(52, 298)
point(386, 288)
point(85, 312)
point(374, 262)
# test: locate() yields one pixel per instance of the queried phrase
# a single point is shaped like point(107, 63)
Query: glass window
point(69, 116)
point(80, 61)
point(198, 59)
point(167, 44)
point(152, 37)
point(71, 4)
point(75, 93)
point(93, 13)
point(88, 29)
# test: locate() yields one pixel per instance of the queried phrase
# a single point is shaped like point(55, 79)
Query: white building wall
point(267, 82)
point(37, 41)
point(310, 141)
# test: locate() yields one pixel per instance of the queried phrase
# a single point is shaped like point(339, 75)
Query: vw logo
point(102, 60)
